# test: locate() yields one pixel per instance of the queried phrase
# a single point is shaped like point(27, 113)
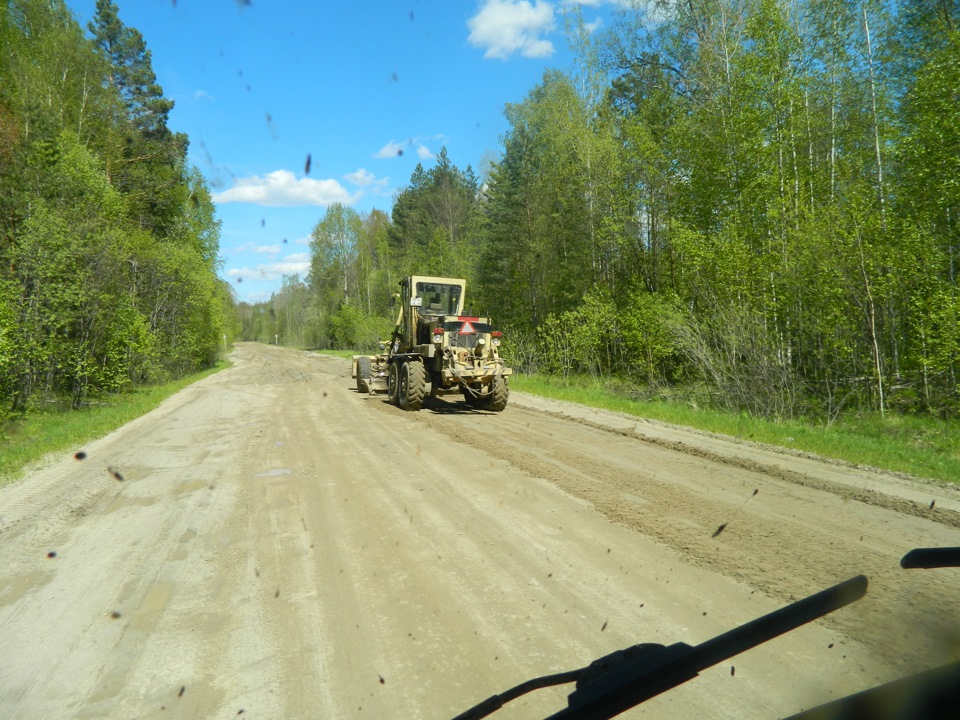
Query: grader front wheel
point(393, 384)
point(363, 375)
point(471, 396)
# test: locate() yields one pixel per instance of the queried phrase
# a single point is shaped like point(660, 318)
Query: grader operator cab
point(435, 344)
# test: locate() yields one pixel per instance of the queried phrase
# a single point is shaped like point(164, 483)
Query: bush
point(737, 354)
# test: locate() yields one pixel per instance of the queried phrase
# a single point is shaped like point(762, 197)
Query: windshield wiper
point(926, 558)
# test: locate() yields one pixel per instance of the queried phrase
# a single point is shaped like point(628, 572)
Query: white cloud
point(390, 150)
point(592, 27)
point(271, 272)
point(281, 188)
point(505, 27)
point(361, 178)
point(423, 152)
point(261, 249)
point(366, 179)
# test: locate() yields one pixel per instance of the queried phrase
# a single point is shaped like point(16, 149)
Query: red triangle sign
point(467, 329)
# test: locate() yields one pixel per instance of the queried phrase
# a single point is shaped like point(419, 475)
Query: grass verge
point(920, 446)
point(26, 440)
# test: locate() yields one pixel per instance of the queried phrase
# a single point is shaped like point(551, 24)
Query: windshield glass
point(438, 298)
point(715, 248)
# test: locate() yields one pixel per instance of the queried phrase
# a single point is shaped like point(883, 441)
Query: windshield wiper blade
point(929, 558)
point(495, 702)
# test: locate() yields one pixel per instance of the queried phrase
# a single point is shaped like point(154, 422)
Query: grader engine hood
point(473, 336)
point(467, 331)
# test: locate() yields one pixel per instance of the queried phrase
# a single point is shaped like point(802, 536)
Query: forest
point(758, 198)
point(108, 237)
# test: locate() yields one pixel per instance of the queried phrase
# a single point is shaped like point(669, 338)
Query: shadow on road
point(438, 406)
point(450, 407)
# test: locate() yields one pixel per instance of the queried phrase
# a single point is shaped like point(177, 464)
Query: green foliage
point(648, 328)
point(930, 149)
point(349, 328)
point(580, 340)
point(348, 286)
point(757, 143)
point(107, 244)
point(144, 158)
point(734, 351)
point(433, 220)
point(554, 214)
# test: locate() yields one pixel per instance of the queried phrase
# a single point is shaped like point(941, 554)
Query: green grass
point(920, 446)
point(28, 439)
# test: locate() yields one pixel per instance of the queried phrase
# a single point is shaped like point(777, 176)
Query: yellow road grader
point(434, 344)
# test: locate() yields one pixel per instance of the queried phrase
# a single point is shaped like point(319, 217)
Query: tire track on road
point(798, 535)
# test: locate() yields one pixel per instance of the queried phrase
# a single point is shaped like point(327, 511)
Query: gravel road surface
point(271, 544)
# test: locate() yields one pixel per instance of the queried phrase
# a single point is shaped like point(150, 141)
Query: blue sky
point(365, 88)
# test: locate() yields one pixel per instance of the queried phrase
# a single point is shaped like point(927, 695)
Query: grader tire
point(363, 375)
point(393, 384)
point(496, 399)
point(413, 385)
point(469, 397)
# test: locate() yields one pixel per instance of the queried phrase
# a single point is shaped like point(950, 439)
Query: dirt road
point(270, 544)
